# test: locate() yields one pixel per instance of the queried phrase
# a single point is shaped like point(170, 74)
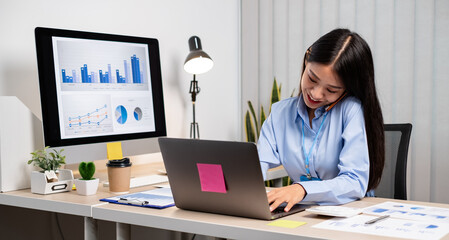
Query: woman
point(330, 139)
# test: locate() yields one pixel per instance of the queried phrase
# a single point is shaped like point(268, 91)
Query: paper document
point(335, 211)
point(405, 221)
point(410, 211)
point(390, 227)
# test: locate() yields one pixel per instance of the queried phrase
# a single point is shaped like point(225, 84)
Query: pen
point(377, 219)
point(132, 201)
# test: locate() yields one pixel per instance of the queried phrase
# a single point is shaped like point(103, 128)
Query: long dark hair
point(352, 60)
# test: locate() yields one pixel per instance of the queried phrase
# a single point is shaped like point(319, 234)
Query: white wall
point(172, 22)
point(410, 45)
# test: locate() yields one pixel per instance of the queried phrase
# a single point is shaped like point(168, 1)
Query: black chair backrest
point(394, 177)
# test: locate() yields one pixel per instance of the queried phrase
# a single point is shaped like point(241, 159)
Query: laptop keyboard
point(278, 210)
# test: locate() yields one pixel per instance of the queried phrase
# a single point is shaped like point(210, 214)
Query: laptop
point(221, 177)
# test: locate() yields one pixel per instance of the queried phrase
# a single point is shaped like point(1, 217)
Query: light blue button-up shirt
point(339, 158)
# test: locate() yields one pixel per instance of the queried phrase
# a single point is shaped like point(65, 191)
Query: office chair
point(393, 182)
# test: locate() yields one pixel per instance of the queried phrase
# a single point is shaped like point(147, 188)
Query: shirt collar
point(302, 110)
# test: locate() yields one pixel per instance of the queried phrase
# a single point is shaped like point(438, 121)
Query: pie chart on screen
point(121, 115)
point(138, 113)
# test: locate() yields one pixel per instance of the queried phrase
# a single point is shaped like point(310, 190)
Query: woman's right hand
point(291, 195)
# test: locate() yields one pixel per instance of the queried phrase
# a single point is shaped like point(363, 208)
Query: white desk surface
point(71, 202)
point(183, 220)
point(234, 227)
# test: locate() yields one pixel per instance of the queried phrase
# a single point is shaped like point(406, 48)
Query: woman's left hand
point(291, 194)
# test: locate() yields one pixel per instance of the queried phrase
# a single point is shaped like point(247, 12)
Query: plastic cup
point(119, 175)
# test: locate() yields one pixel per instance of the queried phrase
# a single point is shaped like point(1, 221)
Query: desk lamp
point(197, 62)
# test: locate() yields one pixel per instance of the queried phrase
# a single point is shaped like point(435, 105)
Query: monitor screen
point(98, 88)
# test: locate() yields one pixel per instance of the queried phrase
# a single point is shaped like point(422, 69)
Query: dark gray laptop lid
point(245, 191)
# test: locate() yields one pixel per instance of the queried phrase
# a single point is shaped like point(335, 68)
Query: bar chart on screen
point(86, 65)
point(131, 73)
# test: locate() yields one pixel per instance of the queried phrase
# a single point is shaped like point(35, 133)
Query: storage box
point(40, 185)
point(20, 134)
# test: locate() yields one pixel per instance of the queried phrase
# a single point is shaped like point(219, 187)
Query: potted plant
point(87, 184)
point(254, 125)
point(50, 179)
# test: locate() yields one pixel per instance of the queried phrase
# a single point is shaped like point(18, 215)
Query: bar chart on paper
point(408, 221)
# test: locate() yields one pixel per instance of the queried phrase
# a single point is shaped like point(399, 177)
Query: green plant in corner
point(86, 170)
point(253, 125)
point(47, 161)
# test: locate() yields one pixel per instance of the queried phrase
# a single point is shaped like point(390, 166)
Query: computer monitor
point(97, 88)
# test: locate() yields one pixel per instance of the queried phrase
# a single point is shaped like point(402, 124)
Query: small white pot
point(87, 187)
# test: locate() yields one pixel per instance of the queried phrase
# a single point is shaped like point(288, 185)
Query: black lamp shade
point(197, 61)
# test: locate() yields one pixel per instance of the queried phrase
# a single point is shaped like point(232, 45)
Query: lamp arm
point(194, 89)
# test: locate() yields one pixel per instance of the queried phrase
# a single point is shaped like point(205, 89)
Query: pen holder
point(40, 185)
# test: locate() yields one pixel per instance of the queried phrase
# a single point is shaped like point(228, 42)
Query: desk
point(234, 227)
point(69, 203)
point(92, 210)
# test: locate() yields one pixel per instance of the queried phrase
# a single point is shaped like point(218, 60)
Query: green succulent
point(86, 170)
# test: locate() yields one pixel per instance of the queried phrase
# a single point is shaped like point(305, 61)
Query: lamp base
point(194, 130)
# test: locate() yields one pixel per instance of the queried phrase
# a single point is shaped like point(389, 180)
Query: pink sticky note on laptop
point(211, 178)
